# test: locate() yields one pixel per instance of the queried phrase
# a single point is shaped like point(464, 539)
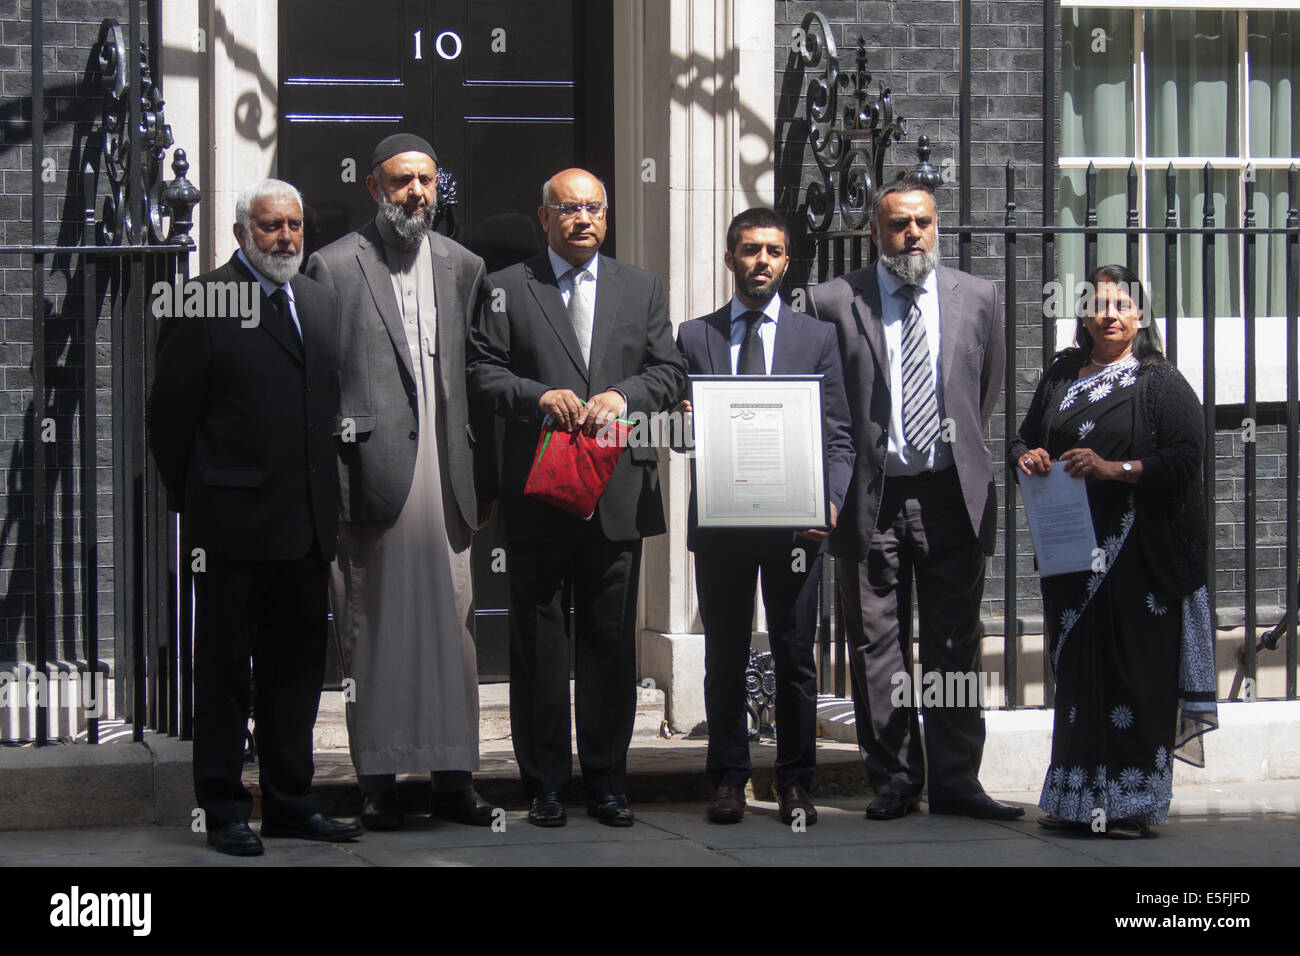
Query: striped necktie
point(920, 407)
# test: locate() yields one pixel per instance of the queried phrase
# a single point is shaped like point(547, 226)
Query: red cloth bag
point(570, 470)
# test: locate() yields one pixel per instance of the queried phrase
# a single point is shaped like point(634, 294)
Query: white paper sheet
point(1059, 520)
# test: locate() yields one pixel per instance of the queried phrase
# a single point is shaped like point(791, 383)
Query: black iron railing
point(112, 256)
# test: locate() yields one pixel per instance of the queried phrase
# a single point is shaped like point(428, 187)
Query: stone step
point(493, 716)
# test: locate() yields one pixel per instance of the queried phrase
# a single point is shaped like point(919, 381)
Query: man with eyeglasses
point(579, 339)
point(240, 416)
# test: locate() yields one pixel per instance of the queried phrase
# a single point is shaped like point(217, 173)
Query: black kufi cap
point(399, 143)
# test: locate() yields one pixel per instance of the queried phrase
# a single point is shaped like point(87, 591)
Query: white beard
point(275, 268)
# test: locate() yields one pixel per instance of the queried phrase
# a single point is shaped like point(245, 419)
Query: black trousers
point(274, 613)
point(604, 578)
point(923, 531)
point(726, 574)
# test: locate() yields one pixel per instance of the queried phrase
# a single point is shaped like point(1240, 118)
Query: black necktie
point(280, 299)
point(751, 361)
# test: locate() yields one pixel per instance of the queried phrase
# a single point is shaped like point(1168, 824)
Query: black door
point(508, 93)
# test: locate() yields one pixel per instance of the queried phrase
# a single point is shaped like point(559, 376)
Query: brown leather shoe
point(792, 798)
point(727, 805)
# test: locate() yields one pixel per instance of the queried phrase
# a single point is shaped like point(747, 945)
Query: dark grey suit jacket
point(523, 344)
point(378, 381)
point(972, 360)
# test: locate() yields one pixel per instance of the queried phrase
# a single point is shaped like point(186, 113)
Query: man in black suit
point(923, 362)
point(241, 420)
point(582, 339)
point(757, 334)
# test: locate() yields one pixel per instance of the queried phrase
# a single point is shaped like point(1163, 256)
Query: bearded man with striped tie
point(924, 357)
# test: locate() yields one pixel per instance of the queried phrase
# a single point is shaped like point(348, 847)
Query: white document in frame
point(758, 452)
point(1060, 521)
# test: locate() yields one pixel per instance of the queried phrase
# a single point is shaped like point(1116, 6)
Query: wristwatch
point(1128, 467)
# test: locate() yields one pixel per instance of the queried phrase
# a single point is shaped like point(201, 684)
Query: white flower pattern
point(1112, 544)
point(1155, 607)
point(1121, 717)
point(1133, 794)
point(1085, 429)
point(1099, 385)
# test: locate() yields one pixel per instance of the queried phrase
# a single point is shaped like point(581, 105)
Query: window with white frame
point(1186, 84)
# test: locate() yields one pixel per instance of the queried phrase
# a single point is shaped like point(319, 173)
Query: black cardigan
point(1169, 439)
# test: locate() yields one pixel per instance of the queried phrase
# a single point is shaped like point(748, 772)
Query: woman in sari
point(1131, 642)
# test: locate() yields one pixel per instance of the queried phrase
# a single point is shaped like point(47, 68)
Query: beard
point(913, 269)
point(754, 289)
point(279, 270)
point(410, 229)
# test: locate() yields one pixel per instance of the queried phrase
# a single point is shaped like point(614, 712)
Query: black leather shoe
point(463, 806)
point(547, 811)
point(237, 839)
point(382, 811)
point(980, 806)
point(315, 827)
point(610, 809)
point(727, 805)
point(792, 798)
point(889, 805)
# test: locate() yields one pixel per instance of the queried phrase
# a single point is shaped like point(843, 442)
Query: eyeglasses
point(568, 210)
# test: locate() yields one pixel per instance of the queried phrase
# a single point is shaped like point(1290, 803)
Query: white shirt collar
point(772, 310)
point(891, 283)
point(560, 267)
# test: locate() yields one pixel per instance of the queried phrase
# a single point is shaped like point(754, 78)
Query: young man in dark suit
point(241, 420)
point(758, 334)
point(583, 339)
point(923, 357)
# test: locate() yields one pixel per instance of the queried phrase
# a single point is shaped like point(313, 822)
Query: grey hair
point(546, 190)
point(264, 189)
point(902, 184)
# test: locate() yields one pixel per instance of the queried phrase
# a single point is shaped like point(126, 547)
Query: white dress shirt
point(766, 330)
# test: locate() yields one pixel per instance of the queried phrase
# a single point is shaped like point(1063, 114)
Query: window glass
point(1191, 82)
point(1097, 83)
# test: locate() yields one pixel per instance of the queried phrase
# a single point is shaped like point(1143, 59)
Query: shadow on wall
point(61, 310)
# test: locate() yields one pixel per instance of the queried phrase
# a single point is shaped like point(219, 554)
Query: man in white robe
point(414, 489)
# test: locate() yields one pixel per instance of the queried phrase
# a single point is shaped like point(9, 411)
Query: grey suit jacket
point(972, 360)
point(378, 395)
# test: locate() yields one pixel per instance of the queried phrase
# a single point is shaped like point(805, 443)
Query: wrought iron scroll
point(848, 129)
point(760, 693)
point(166, 207)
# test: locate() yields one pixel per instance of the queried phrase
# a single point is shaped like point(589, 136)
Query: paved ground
point(1220, 826)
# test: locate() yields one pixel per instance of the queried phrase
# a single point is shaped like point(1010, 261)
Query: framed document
point(759, 457)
